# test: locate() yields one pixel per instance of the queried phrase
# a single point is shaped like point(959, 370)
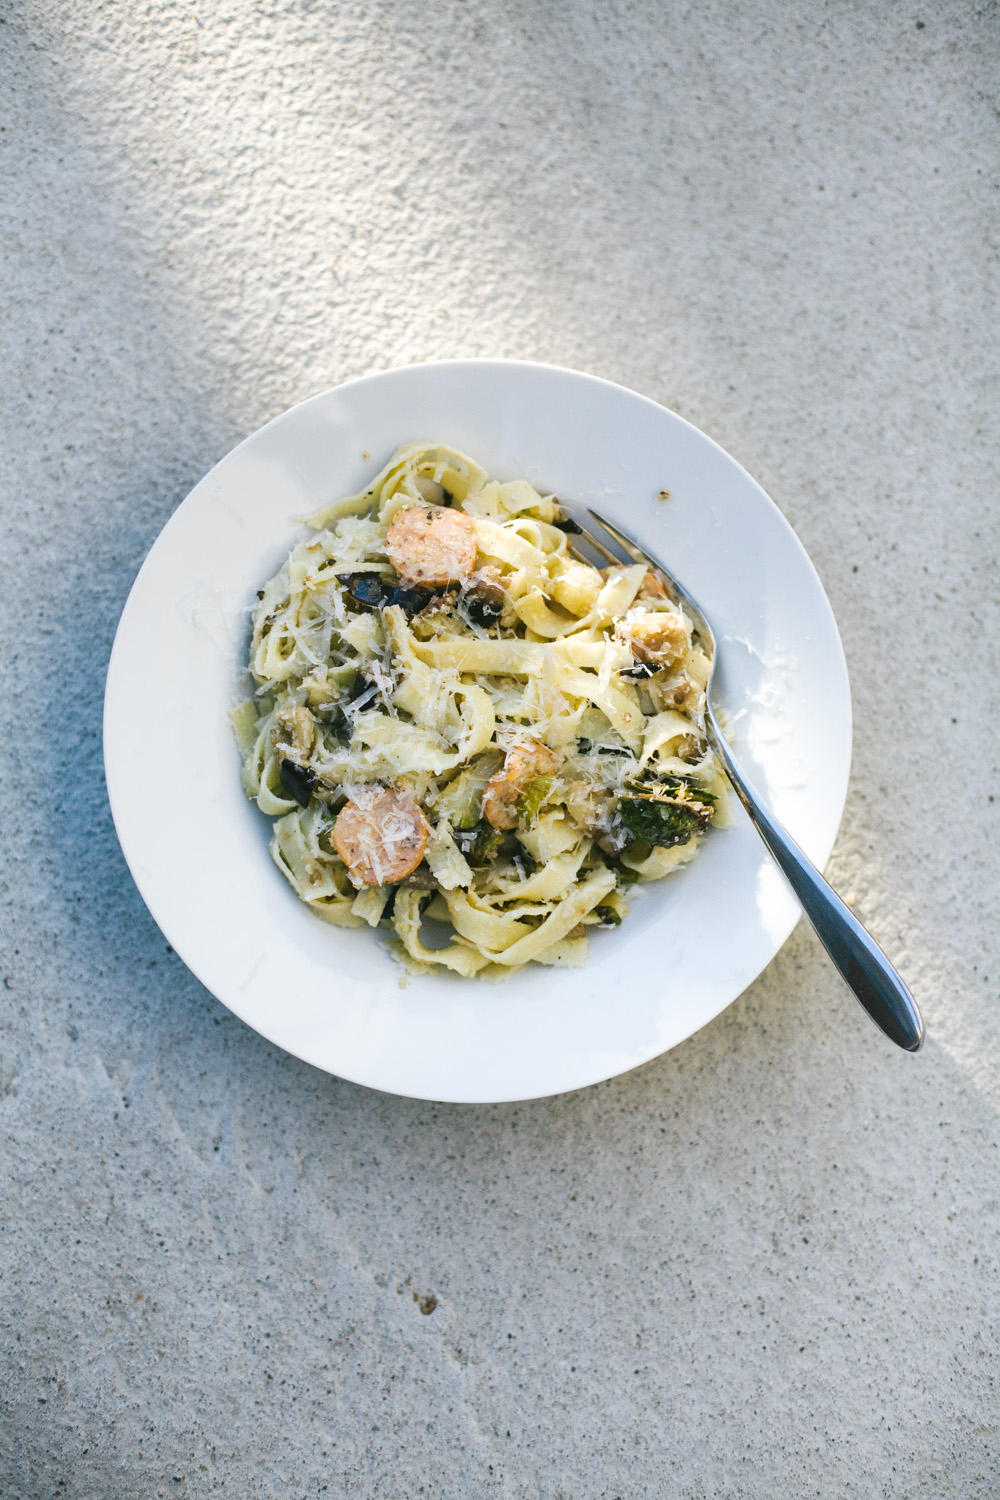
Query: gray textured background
point(764, 1265)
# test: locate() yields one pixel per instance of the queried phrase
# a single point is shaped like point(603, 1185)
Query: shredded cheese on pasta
point(479, 745)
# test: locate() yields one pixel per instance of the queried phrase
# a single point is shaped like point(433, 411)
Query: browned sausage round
point(380, 835)
point(503, 791)
point(430, 544)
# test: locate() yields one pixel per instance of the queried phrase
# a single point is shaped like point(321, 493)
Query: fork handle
point(854, 951)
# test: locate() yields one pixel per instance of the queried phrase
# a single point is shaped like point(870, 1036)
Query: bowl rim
point(164, 920)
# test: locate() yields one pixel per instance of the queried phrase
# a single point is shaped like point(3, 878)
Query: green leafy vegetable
point(531, 799)
point(461, 802)
point(479, 844)
point(674, 788)
point(609, 917)
point(297, 781)
point(663, 822)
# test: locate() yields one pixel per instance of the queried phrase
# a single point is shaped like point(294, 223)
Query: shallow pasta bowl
point(198, 849)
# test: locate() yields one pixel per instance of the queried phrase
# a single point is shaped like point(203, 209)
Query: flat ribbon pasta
point(534, 723)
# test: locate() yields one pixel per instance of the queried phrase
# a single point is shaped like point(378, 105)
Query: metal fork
point(854, 951)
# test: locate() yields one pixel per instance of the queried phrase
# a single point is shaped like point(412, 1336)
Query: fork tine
point(631, 549)
point(599, 547)
point(676, 591)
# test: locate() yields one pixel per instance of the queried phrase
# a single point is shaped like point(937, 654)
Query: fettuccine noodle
point(468, 736)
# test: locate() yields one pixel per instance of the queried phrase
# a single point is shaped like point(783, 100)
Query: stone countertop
point(764, 1265)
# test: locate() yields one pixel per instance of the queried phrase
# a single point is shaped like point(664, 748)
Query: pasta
point(469, 736)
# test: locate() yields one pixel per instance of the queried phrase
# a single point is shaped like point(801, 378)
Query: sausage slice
point(380, 835)
point(431, 544)
point(503, 791)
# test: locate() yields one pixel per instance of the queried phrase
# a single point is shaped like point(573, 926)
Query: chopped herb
point(298, 781)
point(609, 916)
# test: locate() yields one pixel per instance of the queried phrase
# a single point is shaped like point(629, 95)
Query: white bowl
point(198, 849)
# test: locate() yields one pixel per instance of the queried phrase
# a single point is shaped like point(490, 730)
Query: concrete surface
point(762, 1266)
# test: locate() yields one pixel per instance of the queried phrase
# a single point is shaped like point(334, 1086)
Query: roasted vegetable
point(373, 591)
point(337, 721)
point(479, 844)
point(531, 799)
point(667, 811)
point(524, 762)
point(335, 716)
point(298, 781)
point(412, 601)
point(665, 787)
point(661, 823)
point(461, 802)
point(585, 746)
point(483, 606)
point(367, 589)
